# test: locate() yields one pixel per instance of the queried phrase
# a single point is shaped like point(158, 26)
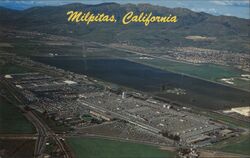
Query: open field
point(94, 147)
point(232, 122)
point(239, 145)
point(209, 72)
point(17, 148)
point(12, 120)
point(11, 68)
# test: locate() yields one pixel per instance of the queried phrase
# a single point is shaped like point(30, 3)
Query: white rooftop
point(69, 82)
point(7, 76)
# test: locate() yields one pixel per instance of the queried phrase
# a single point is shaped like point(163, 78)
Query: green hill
point(231, 33)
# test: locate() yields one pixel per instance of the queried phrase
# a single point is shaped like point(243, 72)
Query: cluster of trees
point(171, 136)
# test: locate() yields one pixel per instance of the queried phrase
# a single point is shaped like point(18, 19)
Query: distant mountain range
point(227, 33)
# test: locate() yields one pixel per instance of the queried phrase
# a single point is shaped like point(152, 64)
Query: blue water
point(148, 79)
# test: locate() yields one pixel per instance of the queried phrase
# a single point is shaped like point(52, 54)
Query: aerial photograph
point(124, 79)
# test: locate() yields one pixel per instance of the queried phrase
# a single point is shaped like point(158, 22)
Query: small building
point(69, 82)
point(100, 115)
point(7, 76)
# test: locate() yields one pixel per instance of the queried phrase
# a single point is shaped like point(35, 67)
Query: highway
point(47, 132)
point(43, 130)
point(41, 134)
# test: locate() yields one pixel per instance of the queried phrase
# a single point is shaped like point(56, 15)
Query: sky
point(238, 8)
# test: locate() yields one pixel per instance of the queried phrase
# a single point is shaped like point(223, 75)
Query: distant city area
point(176, 90)
point(195, 55)
point(81, 103)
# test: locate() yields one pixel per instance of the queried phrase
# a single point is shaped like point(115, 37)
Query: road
point(43, 130)
point(41, 134)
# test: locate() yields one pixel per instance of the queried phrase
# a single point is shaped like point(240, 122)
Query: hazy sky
point(239, 8)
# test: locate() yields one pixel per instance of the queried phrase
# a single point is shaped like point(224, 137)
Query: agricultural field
point(209, 72)
point(11, 68)
point(20, 148)
point(238, 145)
point(229, 121)
point(94, 147)
point(12, 120)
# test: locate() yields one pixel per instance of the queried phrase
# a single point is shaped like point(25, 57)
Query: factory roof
point(69, 82)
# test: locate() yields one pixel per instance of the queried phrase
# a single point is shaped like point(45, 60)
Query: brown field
point(16, 148)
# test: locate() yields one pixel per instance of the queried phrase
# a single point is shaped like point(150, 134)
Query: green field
point(104, 148)
point(11, 68)
point(232, 122)
point(12, 120)
point(205, 71)
point(240, 146)
point(17, 148)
